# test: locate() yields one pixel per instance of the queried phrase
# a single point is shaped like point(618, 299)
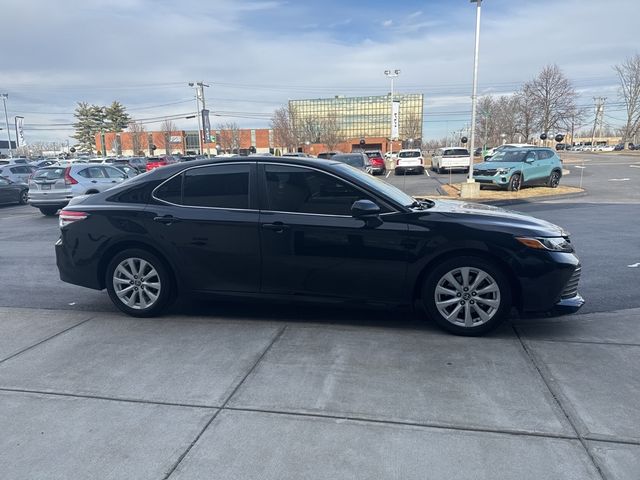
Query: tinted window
point(456, 152)
point(170, 191)
point(353, 160)
point(20, 170)
point(4, 181)
point(221, 186)
point(508, 156)
point(545, 154)
point(92, 172)
point(302, 190)
point(409, 154)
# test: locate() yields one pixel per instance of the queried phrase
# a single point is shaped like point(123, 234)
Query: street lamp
point(6, 118)
point(391, 74)
point(472, 189)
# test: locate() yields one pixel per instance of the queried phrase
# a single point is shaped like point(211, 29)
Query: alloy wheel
point(136, 283)
point(554, 180)
point(515, 182)
point(467, 297)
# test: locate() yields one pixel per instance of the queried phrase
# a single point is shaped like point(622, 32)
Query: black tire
point(23, 199)
point(398, 171)
point(499, 279)
point(515, 182)
point(165, 294)
point(440, 170)
point(48, 211)
point(421, 171)
point(554, 179)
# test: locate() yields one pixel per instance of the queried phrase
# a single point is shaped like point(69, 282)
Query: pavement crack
point(556, 397)
point(224, 405)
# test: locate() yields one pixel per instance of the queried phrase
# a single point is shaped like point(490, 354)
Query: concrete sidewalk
point(95, 395)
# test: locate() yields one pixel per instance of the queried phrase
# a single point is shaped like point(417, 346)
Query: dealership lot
point(229, 390)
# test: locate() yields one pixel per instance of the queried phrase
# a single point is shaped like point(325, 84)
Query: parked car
point(409, 160)
point(17, 172)
point(618, 147)
point(450, 159)
point(295, 154)
point(127, 169)
point(514, 168)
point(43, 163)
point(506, 146)
point(376, 158)
point(156, 162)
point(358, 160)
point(13, 192)
point(13, 161)
point(561, 146)
point(327, 155)
point(51, 188)
point(309, 230)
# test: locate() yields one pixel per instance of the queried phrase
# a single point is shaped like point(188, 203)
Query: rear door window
point(217, 186)
point(49, 174)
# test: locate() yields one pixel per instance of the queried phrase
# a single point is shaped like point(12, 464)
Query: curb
point(512, 201)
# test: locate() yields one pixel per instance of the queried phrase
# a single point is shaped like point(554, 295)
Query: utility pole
point(471, 189)
point(200, 97)
point(599, 117)
point(6, 118)
point(391, 75)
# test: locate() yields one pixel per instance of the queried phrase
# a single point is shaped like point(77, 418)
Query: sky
point(257, 54)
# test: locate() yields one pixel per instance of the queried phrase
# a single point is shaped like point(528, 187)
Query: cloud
point(414, 14)
point(257, 55)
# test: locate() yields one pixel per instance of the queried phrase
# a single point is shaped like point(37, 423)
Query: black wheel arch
point(485, 254)
point(119, 246)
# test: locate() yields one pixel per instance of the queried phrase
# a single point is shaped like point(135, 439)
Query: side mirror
point(364, 209)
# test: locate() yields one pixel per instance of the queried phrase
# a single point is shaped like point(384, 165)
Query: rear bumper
point(75, 273)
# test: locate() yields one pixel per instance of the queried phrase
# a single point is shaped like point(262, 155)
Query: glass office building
point(363, 116)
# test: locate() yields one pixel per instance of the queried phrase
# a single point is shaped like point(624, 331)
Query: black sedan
point(13, 192)
point(311, 230)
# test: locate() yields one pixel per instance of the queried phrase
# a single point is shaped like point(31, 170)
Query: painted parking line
point(579, 166)
point(388, 173)
point(634, 265)
point(634, 166)
point(619, 179)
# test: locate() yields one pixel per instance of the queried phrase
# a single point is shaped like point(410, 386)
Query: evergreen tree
point(90, 120)
point(116, 117)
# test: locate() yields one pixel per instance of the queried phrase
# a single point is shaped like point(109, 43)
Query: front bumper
point(497, 180)
point(568, 305)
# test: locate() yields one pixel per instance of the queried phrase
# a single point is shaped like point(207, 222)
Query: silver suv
point(51, 188)
point(17, 172)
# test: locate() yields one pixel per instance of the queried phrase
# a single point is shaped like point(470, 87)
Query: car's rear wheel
point(467, 296)
point(138, 283)
point(398, 171)
point(554, 179)
point(48, 211)
point(515, 182)
point(24, 197)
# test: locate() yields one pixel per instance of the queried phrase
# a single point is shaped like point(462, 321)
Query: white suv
point(409, 161)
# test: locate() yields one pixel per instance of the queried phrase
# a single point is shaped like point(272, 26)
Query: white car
point(17, 172)
point(409, 160)
point(451, 159)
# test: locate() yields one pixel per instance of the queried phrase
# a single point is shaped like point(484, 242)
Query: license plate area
point(45, 186)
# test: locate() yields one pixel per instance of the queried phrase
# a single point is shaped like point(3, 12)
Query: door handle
point(94, 181)
point(277, 227)
point(166, 220)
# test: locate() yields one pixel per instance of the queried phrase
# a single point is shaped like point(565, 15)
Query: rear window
point(409, 154)
point(353, 160)
point(374, 154)
point(455, 152)
point(49, 174)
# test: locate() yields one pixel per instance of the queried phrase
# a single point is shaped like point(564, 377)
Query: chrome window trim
point(153, 192)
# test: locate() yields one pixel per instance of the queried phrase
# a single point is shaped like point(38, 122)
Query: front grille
point(485, 173)
point(571, 288)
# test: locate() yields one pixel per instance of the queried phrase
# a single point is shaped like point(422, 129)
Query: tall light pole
point(6, 119)
point(473, 189)
point(391, 74)
point(199, 87)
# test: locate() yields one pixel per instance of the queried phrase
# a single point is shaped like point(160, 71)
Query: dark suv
point(311, 230)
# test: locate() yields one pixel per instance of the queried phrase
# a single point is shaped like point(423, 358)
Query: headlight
point(554, 244)
point(502, 171)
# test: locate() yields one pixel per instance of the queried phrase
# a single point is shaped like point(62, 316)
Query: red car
point(377, 162)
point(156, 162)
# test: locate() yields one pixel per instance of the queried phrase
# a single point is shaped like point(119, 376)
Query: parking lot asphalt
point(253, 390)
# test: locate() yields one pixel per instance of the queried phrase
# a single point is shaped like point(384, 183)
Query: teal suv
point(514, 168)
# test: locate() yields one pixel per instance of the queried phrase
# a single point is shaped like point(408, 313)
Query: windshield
point(377, 185)
point(353, 160)
point(408, 154)
point(509, 156)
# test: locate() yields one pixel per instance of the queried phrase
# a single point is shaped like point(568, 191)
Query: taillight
point(68, 179)
point(68, 217)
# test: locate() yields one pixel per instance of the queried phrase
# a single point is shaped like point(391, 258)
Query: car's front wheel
point(138, 283)
point(467, 296)
point(24, 197)
point(554, 179)
point(515, 182)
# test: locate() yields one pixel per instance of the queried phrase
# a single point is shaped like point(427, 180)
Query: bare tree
point(527, 113)
point(167, 128)
point(629, 76)
point(553, 96)
point(309, 129)
point(229, 137)
point(331, 132)
point(284, 129)
point(411, 126)
point(138, 137)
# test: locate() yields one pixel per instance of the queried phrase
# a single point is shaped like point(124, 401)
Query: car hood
point(489, 217)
